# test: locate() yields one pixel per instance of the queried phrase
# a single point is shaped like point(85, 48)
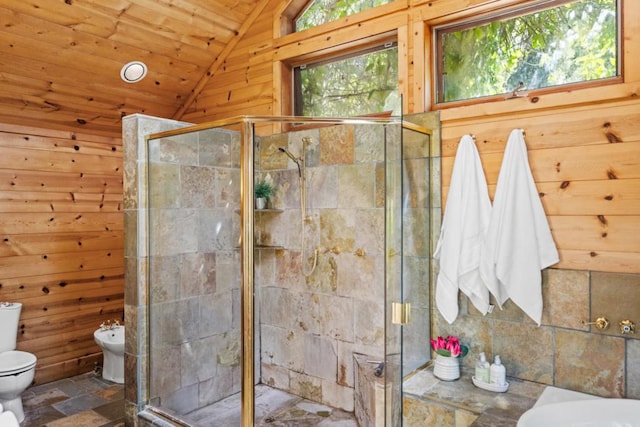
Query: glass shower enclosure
point(259, 316)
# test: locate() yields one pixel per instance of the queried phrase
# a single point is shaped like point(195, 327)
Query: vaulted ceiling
point(60, 60)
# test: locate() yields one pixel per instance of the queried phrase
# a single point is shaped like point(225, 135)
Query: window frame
point(437, 82)
point(296, 97)
point(304, 5)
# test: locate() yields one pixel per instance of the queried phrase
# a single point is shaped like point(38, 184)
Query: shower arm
point(299, 161)
point(296, 160)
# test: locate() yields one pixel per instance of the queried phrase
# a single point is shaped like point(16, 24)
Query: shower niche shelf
point(265, 210)
point(264, 247)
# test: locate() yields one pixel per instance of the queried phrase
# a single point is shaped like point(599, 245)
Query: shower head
point(296, 160)
point(288, 153)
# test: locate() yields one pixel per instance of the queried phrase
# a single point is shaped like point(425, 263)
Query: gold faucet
point(627, 327)
point(109, 324)
point(335, 250)
point(600, 322)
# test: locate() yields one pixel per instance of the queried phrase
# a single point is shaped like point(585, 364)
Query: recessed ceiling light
point(133, 72)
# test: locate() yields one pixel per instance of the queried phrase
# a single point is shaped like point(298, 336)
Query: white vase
point(261, 202)
point(446, 368)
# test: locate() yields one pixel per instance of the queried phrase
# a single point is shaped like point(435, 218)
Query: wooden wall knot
point(565, 184)
point(602, 220)
point(613, 138)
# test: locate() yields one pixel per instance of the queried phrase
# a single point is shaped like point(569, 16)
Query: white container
point(446, 368)
point(482, 369)
point(497, 372)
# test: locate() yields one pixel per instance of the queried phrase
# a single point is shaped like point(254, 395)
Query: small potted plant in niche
point(447, 364)
point(263, 191)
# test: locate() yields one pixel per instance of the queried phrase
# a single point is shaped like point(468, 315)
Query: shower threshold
point(273, 408)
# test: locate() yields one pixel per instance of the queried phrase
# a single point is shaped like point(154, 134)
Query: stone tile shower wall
point(562, 352)
point(311, 325)
point(193, 267)
point(422, 213)
point(134, 129)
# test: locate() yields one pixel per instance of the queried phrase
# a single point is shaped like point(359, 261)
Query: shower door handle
point(400, 313)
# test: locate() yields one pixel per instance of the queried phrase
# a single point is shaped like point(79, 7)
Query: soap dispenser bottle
point(482, 369)
point(497, 372)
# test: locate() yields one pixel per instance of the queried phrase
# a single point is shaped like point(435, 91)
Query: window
point(360, 84)
point(322, 11)
point(541, 46)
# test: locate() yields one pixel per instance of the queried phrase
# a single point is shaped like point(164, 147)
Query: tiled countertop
point(492, 409)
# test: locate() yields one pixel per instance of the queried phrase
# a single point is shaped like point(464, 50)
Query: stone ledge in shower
point(430, 401)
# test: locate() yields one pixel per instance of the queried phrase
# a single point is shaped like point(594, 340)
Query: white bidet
point(112, 342)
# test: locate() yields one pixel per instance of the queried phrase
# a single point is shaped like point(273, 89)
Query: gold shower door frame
point(246, 125)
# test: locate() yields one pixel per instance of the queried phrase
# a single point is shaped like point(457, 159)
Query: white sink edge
point(557, 395)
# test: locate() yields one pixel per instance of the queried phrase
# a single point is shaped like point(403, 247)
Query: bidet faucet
point(109, 324)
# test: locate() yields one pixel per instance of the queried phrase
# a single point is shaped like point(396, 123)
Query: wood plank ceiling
point(60, 60)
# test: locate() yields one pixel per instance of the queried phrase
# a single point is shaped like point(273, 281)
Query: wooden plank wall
point(244, 84)
point(586, 165)
point(61, 224)
point(579, 139)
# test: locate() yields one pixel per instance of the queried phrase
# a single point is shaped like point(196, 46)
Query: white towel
point(519, 242)
point(463, 231)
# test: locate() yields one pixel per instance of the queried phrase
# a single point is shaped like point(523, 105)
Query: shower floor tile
point(273, 408)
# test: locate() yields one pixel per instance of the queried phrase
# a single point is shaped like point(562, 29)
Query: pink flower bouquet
point(449, 347)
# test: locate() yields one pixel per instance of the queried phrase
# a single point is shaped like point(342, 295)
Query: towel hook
point(517, 92)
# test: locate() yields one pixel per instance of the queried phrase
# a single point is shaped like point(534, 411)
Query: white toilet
point(111, 339)
point(17, 368)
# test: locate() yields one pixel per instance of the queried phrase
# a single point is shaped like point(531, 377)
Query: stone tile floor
point(84, 400)
point(273, 408)
point(87, 400)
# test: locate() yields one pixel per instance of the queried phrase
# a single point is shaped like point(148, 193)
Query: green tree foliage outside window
point(323, 11)
point(574, 42)
point(353, 86)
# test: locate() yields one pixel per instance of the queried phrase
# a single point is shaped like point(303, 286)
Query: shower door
point(407, 259)
point(194, 272)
